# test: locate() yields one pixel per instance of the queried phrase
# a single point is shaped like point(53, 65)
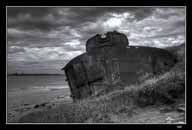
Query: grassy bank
point(167, 89)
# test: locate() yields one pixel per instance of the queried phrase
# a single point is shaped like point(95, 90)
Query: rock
point(36, 106)
point(169, 120)
point(40, 105)
point(43, 104)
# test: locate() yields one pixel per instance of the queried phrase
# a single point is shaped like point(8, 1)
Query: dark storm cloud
point(27, 21)
point(35, 11)
point(32, 23)
point(28, 18)
point(46, 38)
point(180, 23)
point(46, 19)
point(140, 14)
point(92, 14)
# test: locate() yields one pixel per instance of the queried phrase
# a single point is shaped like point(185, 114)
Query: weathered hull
point(112, 62)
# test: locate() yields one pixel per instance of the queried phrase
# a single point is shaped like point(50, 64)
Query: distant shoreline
point(35, 75)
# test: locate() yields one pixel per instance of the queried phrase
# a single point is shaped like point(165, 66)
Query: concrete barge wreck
point(110, 60)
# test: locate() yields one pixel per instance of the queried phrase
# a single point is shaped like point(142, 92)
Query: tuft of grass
point(166, 88)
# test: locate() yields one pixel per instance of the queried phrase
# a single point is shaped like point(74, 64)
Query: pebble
point(169, 120)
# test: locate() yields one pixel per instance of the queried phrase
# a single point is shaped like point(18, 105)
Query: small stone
point(36, 106)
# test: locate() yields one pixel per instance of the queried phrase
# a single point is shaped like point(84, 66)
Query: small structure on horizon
point(110, 60)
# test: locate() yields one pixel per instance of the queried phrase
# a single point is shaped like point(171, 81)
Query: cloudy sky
point(44, 39)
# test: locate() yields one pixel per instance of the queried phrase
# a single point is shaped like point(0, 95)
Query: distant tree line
point(28, 74)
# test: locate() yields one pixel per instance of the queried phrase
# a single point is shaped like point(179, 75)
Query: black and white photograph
point(96, 65)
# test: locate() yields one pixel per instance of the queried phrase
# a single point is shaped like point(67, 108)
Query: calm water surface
point(28, 82)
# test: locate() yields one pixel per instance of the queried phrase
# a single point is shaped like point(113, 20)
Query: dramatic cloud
point(44, 39)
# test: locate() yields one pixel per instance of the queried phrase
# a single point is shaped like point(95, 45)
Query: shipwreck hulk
point(109, 60)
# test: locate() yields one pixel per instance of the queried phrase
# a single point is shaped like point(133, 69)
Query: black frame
point(99, 3)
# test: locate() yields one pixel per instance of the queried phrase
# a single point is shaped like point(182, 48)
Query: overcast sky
point(44, 39)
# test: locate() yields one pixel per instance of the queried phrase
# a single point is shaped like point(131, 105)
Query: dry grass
point(164, 89)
